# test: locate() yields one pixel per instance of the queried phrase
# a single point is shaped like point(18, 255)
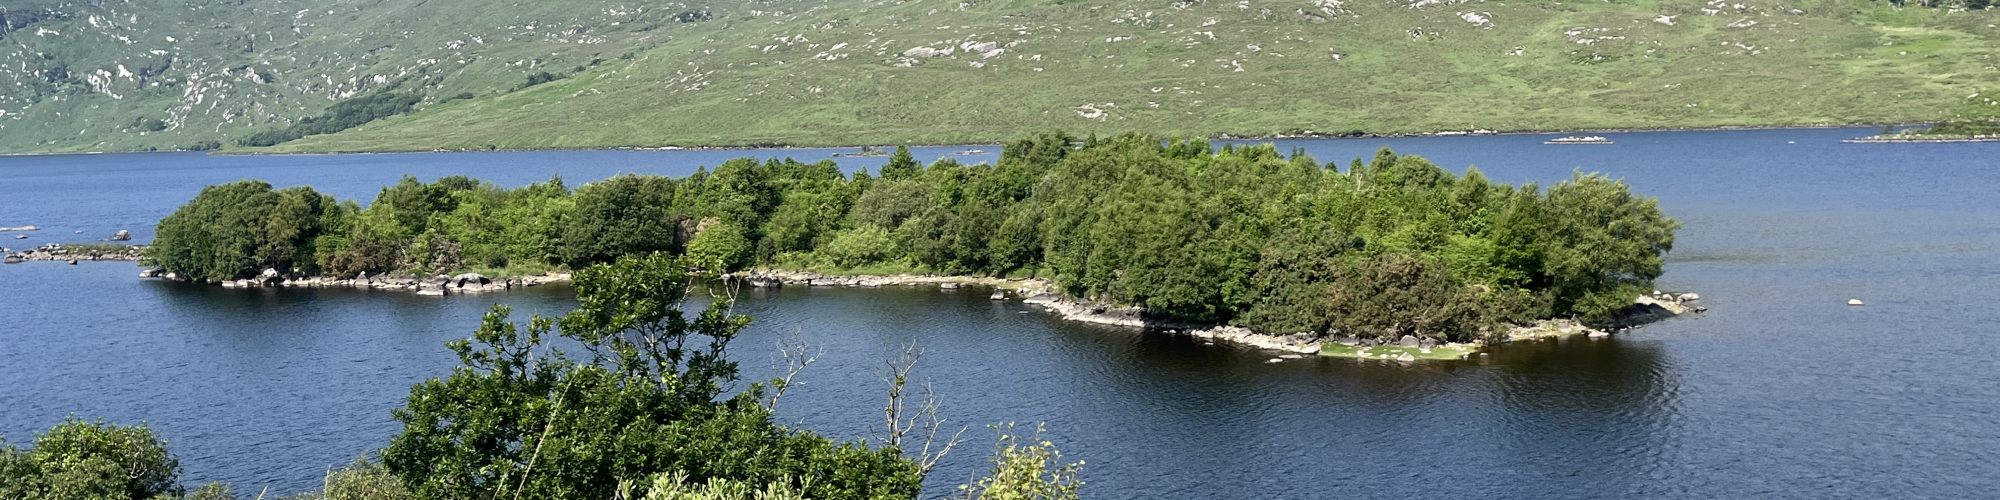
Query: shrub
point(83, 460)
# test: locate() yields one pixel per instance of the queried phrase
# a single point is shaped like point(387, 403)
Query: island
point(1945, 131)
point(1389, 257)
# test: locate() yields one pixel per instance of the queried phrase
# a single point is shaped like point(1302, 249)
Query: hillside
point(844, 72)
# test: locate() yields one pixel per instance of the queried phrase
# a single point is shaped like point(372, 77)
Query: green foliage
point(901, 165)
point(675, 486)
point(719, 248)
point(624, 215)
point(1025, 468)
point(522, 418)
point(1393, 295)
point(344, 115)
point(231, 231)
point(83, 460)
point(863, 245)
point(1242, 235)
point(1604, 245)
point(361, 480)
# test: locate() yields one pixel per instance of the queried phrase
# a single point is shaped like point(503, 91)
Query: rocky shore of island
point(74, 253)
point(1042, 293)
point(438, 285)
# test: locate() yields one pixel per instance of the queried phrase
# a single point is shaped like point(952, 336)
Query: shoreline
point(439, 285)
point(1216, 137)
point(1041, 293)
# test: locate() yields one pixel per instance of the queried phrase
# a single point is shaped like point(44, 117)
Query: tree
point(719, 248)
point(234, 230)
point(521, 418)
point(1393, 295)
point(901, 165)
point(1604, 246)
point(624, 215)
point(83, 460)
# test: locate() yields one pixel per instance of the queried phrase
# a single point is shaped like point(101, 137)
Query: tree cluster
point(342, 115)
point(1388, 247)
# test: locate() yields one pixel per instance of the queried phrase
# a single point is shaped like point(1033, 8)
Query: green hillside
point(843, 72)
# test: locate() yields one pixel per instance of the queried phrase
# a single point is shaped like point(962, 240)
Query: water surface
point(1780, 391)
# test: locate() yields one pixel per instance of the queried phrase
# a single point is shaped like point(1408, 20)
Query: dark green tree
point(901, 165)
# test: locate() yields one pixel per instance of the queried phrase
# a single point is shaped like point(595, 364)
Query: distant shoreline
point(1218, 137)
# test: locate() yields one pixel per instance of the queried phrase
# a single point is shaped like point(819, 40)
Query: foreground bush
point(523, 419)
point(82, 460)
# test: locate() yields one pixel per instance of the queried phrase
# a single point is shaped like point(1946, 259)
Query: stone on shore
point(1408, 341)
point(470, 278)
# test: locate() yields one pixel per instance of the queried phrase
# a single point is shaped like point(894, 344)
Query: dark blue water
point(1780, 391)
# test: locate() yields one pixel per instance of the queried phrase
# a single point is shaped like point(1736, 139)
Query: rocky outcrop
point(468, 283)
point(122, 235)
point(57, 252)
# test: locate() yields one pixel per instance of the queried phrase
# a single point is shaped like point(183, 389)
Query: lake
point(1779, 391)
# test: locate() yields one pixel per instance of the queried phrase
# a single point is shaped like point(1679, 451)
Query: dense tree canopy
point(1244, 235)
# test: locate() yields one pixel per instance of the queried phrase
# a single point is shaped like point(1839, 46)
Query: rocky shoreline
point(1041, 293)
point(439, 285)
point(57, 252)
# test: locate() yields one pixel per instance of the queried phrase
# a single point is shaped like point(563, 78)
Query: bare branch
point(797, 354)
point(901, 421)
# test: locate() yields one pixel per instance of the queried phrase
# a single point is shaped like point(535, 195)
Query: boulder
point(924, 53)
point(122, 235)
point(268, 273)
point(1689, 297)
point(13, 259)
point(1408, 341)
point(72, 262)
point(149, 273)
point(1406, 357)
point(948, 286)
point(470, 279)
point(999, 295)
point(1427, 343)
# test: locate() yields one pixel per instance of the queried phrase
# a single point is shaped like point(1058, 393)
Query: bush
point(521, 419)
point(82, 460)
point(1025, 468)
point(234, 230)
point(860, 246)
point(719, 248)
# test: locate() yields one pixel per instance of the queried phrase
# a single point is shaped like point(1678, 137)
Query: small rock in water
point(1406, 357)
point(1275, 360)
point(1853, 302)
point(1598, 334)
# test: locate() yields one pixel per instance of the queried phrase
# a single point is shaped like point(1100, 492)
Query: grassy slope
point(1581, 65)
point(768, 72)
point(209, 59)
